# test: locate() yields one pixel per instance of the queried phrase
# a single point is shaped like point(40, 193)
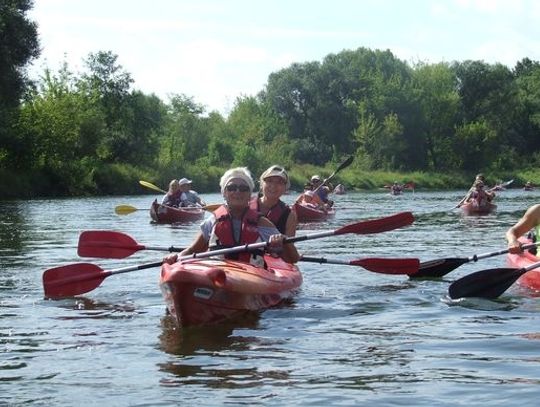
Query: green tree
point(438, 99)
point(64, 127)
point(18, 46)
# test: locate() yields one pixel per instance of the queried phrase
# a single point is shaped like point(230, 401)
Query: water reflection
point(206, 339)
point(84, 307)
point(12, 229)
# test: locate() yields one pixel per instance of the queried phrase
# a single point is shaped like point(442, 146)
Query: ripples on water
point(349, 337)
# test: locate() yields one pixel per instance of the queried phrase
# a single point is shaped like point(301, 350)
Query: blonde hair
point(173, 185)
point(238, 172)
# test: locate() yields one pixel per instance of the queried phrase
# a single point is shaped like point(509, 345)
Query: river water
point(349, 337)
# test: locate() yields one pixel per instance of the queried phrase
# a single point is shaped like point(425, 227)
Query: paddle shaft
point(441, 267)
point(66, 281)
point(343, 165)
point(477, 257)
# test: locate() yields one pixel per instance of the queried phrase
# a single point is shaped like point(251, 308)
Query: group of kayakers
point(180, 195)
point(244, 220)
point(478, 194)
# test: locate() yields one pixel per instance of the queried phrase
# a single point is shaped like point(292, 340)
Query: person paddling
point(234, 223)
point(529, 221)
point(172, 197)
point(189, 197)
point(321, 190)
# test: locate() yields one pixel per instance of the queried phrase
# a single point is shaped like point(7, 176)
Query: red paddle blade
point(388, 266)
point(73, 279)
point(378, 225)
point(106, 244)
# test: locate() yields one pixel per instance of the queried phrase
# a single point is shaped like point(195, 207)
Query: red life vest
point(278, 214)
point(224, 235)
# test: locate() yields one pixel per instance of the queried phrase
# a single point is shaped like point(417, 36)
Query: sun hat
point(184, 181)
point(276, 171)
point(315, 178)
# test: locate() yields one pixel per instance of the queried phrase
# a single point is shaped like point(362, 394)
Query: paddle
point(343, 165)
point(152, 186)
point(79, 278)
point(441, 267)
point(117, 245)
point(65, 281)
point(487, 283)
point(127, 209)
point(113, 245)
point(378, 265)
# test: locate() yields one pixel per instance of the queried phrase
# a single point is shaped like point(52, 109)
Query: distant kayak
point(168, 214)
point(472, 208)
point(308, 213)
point(339, 189)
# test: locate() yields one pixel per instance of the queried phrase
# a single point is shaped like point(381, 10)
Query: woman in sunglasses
point(235, 223)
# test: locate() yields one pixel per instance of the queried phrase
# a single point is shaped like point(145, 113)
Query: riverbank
point(122, 180)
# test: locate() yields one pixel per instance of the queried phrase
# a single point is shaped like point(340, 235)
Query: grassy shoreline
point(26, 186)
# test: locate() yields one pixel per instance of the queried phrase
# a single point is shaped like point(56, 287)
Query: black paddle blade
point(485, 283)
point(439, 268)
point(345, 163)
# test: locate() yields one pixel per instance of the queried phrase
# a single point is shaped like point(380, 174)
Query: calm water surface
point(349, 337)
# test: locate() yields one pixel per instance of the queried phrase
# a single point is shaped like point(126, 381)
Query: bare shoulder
point(534, 211)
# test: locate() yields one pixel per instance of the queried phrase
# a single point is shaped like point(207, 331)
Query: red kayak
point(307, 213)
point(169, 214)
point(472, 208)
point(200, 292)
point(531, 279)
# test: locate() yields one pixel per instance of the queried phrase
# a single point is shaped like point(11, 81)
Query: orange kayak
point(307, 213)
point(206, 291)
point(169, 214)
point(531, 279)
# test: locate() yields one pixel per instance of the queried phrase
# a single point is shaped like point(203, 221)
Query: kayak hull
point(530, 279)
point(306, 213)
point(472, 208)
point(202, 292)
point(168, 214)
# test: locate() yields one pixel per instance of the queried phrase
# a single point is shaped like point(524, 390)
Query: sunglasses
point(235, 187)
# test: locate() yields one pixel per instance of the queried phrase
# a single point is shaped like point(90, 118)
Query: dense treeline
point(93, 132)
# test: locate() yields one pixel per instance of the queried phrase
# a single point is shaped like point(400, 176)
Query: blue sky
point(217, 50)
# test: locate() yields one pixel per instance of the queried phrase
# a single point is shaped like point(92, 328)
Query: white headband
point(240, 173)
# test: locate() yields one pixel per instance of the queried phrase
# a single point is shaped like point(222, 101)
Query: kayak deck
point(201, 292)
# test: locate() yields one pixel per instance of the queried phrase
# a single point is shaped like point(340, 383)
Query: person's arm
point(530, 219)
point(269, 232)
